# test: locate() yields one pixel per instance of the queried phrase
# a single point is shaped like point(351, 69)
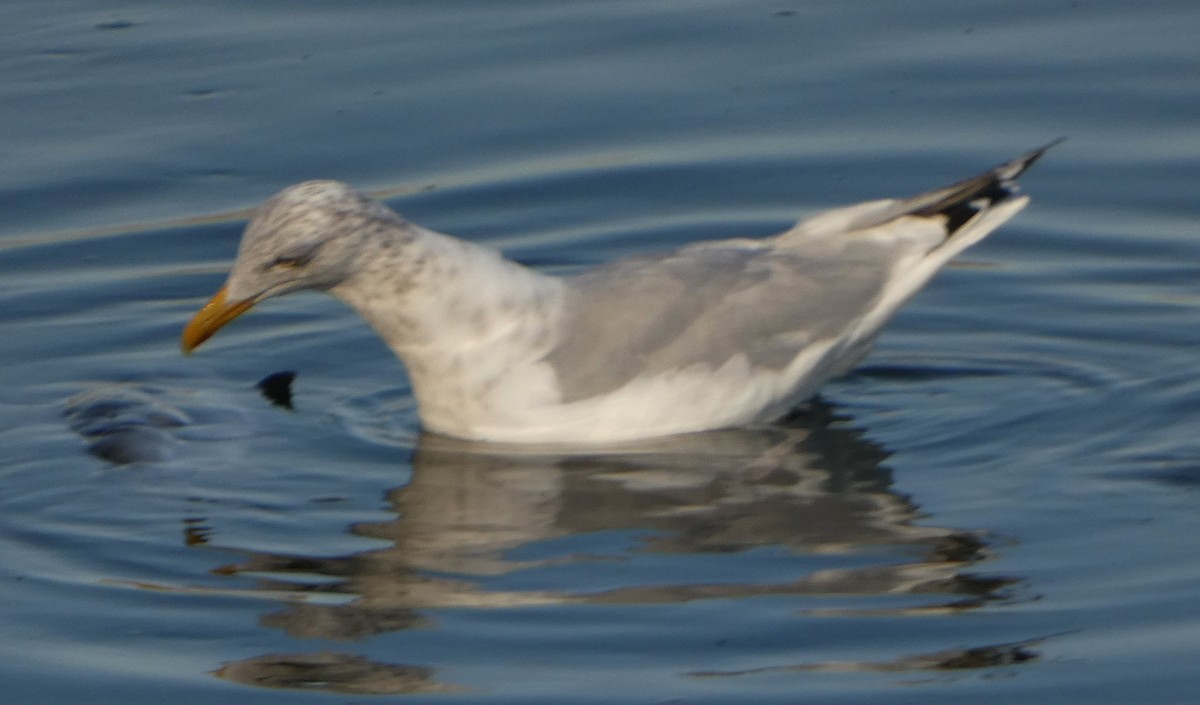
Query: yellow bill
point(216, 313)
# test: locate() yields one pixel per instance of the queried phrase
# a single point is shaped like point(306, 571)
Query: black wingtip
point(1011, 170)
point(961, 201)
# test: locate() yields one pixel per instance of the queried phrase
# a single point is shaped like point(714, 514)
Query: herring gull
point(711, 335)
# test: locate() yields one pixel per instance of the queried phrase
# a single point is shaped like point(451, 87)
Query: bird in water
point(714, 334)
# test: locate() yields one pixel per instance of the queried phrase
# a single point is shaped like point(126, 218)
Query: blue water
point(999, 506)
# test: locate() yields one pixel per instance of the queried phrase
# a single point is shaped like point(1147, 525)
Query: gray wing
point(704, 304)
point(769, 299)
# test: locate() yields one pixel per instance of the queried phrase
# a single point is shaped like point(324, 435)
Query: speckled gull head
point(711, 335)
point(308, 236)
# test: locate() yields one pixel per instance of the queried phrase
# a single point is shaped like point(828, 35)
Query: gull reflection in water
point(811, 486)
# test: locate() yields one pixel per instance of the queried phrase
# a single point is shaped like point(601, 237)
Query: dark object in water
point(125, 424)
point(277, 388)
point(131, 423)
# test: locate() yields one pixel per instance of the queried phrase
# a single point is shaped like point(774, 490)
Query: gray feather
point(703, 305)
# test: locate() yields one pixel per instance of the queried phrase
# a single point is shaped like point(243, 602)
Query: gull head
point(308, 236)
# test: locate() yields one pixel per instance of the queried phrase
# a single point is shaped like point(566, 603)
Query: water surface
point(1000, 505)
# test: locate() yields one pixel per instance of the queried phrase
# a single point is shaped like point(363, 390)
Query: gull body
point(714, 334)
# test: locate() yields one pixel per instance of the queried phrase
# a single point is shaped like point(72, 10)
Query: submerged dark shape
point(130, 423)
point(125, 424)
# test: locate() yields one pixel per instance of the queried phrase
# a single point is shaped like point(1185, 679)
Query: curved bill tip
point(209, 319)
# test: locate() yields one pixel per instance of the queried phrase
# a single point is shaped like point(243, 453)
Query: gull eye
point(295, 258)
point(288, 262)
